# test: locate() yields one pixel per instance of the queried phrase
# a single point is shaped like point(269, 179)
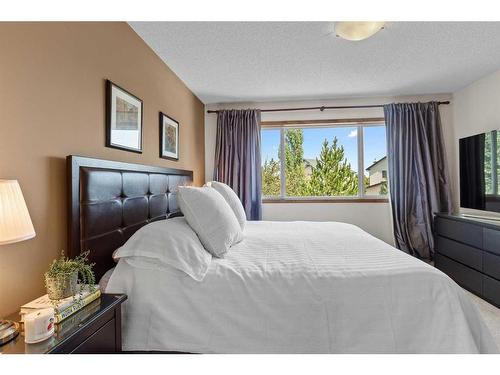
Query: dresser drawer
point(469, 234)
point(102, 341)
point(491, 290)
point(492, 240)
point(465, 276)
point(491, 265)
point(460, 252)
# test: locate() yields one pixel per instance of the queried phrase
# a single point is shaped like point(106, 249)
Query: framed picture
point(123, 119)
point(169, 137)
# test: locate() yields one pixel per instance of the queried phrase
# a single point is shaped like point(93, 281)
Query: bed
point(289, 287)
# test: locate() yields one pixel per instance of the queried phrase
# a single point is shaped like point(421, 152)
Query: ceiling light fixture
point(355, 31)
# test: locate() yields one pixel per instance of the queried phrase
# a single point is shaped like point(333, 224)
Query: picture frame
point(124, 119)
point(169, 137)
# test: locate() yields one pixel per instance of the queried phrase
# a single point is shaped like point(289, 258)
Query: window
point(324, 161)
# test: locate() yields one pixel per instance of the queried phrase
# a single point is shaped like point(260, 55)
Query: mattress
point(300, 287)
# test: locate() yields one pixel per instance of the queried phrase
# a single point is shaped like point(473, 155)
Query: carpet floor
point(491, 316)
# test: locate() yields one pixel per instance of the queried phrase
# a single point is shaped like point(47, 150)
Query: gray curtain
point(237, 157)
point(418, 176)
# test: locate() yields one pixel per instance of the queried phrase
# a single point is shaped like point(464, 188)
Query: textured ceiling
point(259, 61)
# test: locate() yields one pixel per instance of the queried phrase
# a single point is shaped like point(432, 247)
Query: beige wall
point(375, 218)
point(52, 105)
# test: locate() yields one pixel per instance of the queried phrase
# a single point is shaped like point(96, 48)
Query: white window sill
point(374, 199)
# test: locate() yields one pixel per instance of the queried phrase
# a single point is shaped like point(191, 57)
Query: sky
point(374, 143)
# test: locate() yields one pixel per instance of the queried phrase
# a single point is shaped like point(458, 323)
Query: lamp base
point(8, 331)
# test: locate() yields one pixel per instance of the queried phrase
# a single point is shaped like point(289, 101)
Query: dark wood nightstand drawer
point(464, 232)
point(102, 341)
point(467, 277)
point(85, 331)
point(460, 252)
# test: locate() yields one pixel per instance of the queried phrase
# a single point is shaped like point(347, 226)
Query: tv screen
point(480, 171)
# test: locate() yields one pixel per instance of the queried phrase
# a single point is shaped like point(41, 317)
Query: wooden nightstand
point(94, 329)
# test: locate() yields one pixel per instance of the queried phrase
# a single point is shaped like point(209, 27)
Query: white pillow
point(103, 283)
point(211, 218)
point(171, 242)
point(232, 199)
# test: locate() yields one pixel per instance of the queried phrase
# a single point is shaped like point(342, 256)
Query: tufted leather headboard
point(109, 200)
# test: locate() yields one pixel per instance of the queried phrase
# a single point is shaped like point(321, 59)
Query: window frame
point(360, 124)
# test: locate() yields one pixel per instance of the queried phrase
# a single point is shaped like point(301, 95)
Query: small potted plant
point(61, 279)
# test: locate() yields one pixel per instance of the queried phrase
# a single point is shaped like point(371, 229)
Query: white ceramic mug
point(38, 325)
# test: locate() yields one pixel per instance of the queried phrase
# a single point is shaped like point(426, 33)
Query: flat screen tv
point(480, 171)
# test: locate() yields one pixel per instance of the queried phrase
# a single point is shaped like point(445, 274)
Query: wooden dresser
point(468, 250)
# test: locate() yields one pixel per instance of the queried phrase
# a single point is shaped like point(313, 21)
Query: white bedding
point(300, 287)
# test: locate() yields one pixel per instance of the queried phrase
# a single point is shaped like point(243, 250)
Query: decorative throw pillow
point(232, 199)
point(208, 213)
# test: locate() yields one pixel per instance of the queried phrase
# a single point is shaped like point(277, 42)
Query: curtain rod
point(322, 108)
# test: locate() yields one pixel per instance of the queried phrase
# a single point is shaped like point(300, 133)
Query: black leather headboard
point(109, 200)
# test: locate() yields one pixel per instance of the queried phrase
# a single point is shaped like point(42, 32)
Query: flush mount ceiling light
point(355, 31)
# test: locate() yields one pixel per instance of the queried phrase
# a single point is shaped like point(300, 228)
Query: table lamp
point(15, 226)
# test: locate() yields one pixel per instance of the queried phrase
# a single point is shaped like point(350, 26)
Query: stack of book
point(75, 319)
point(64, 307)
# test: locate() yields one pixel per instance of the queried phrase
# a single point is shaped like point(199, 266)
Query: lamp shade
point(15, 221)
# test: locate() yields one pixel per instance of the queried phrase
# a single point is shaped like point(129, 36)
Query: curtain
point(472, 182)
point(418, 177)
point(237, 157)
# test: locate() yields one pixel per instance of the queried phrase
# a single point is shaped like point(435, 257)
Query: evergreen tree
point(271, 178)
point(487, 163)
point(489, 155)
point(383, 188)
point(332, 175)
point(295, 175)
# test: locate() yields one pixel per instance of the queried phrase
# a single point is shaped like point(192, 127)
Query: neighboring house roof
point(310, 162)
point(377, 184)
point(375, 163)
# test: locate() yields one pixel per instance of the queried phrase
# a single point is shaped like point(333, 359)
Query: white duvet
point(300, 287)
